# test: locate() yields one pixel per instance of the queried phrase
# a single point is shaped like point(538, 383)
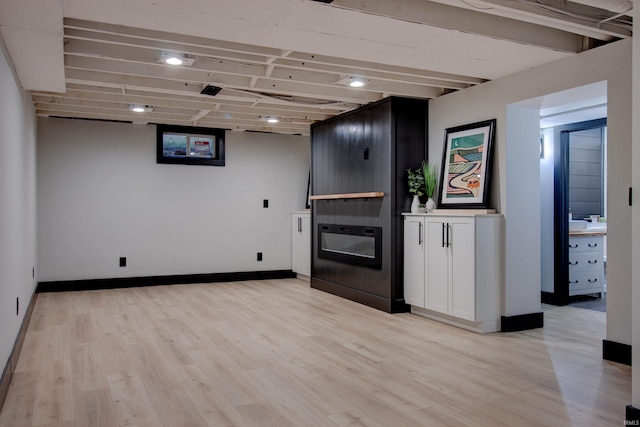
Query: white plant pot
point(431, 205)
point(415, 204)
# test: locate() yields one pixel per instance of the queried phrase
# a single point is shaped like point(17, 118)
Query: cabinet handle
point(299, 225)
point(573, 246)
point(593, 262)
point(448, 235)
point(573, 263)
point(443, 234)
point(575, 281)
point(592, 281)
point(419, 233)
point(592, 246)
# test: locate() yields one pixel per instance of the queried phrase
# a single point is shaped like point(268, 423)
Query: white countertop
point(454, 212)
point(593, 229)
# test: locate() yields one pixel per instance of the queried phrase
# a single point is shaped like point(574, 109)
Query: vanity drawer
point(582, 280)
point(584, 244)
point(585, 261)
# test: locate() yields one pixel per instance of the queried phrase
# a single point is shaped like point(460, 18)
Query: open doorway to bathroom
point(573, 204)
point(580, 213)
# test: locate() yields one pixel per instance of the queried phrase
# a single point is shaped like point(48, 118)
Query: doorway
point(579, 215)
point(582, 112)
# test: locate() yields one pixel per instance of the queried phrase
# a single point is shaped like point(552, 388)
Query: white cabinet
point(450, 266)
point(414, 260)
point(586, 264)
point(301, 243)
point(453, 268)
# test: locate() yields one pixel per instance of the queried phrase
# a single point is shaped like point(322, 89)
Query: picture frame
point(187, 145)
point(465, 175)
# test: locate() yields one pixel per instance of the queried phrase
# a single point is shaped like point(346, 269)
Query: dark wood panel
point(381, 303)
point(410, 149)
point(366, 150)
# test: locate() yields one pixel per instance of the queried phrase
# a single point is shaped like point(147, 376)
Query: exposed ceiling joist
point(579, 17)
point(293, 59)
point(521, 21)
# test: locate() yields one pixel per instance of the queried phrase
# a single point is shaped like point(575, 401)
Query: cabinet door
point(436, 256)
point(414, 261)
point(301, 244)
point(305, 245)
point(462, 267)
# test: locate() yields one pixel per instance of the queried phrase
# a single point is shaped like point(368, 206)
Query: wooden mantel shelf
point(372, 194)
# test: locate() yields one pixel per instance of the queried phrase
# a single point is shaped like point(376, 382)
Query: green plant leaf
point(430, 177)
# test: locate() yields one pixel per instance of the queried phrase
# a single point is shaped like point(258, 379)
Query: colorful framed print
point(466, 166)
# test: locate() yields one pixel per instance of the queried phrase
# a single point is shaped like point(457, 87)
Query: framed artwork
point(189, 145)
point(466, 166)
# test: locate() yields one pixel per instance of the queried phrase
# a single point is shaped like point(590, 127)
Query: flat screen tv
point(186, 145)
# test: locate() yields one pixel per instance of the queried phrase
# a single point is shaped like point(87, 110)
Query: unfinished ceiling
point(285, 59)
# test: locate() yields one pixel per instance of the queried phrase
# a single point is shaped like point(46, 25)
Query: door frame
point(560, 294)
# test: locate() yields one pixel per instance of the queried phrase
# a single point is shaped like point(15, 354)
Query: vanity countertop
point(588, 233)
point(597, 229)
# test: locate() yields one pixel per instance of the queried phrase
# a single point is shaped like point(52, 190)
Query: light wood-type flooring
point(278, 353)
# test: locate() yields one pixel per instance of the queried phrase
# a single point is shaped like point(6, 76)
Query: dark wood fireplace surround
point(359, 161)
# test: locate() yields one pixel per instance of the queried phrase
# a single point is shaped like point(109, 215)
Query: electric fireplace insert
point(351, 244)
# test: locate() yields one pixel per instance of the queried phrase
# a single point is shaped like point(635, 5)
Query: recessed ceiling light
point(136, 108)
point(173, 60)
point(352, 81)
point(176, 59)
point(270, 119)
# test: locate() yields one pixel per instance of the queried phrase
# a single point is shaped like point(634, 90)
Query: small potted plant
point(430, 175)
point(415, 179)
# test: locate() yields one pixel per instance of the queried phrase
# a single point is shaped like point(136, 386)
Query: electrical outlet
point(123, 261)
point(259, 256)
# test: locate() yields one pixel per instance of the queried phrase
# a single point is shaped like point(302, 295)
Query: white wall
point(522, 159)
point(635, 233)
point(490, 100)
point(102, 196)
point(547, 190)
point(17, 204)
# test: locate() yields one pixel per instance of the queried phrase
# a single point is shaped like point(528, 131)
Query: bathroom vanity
point(586, 260)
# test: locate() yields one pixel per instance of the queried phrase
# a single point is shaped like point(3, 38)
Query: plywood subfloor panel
point(278, 353)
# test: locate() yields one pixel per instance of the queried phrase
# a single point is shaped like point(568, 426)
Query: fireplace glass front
point(356, 245)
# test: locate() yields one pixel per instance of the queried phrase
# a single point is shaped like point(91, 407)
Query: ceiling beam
point(82, 99)
point(165, 37)
point(198, 101)
point(564, 15)
point(481, 21)
point(246, 54)
point(152, 118)
point(319, 67)
point(32, 32)
point(130, 71)
point(306, 60)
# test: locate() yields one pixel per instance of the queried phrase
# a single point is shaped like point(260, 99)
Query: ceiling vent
point(211, 90)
